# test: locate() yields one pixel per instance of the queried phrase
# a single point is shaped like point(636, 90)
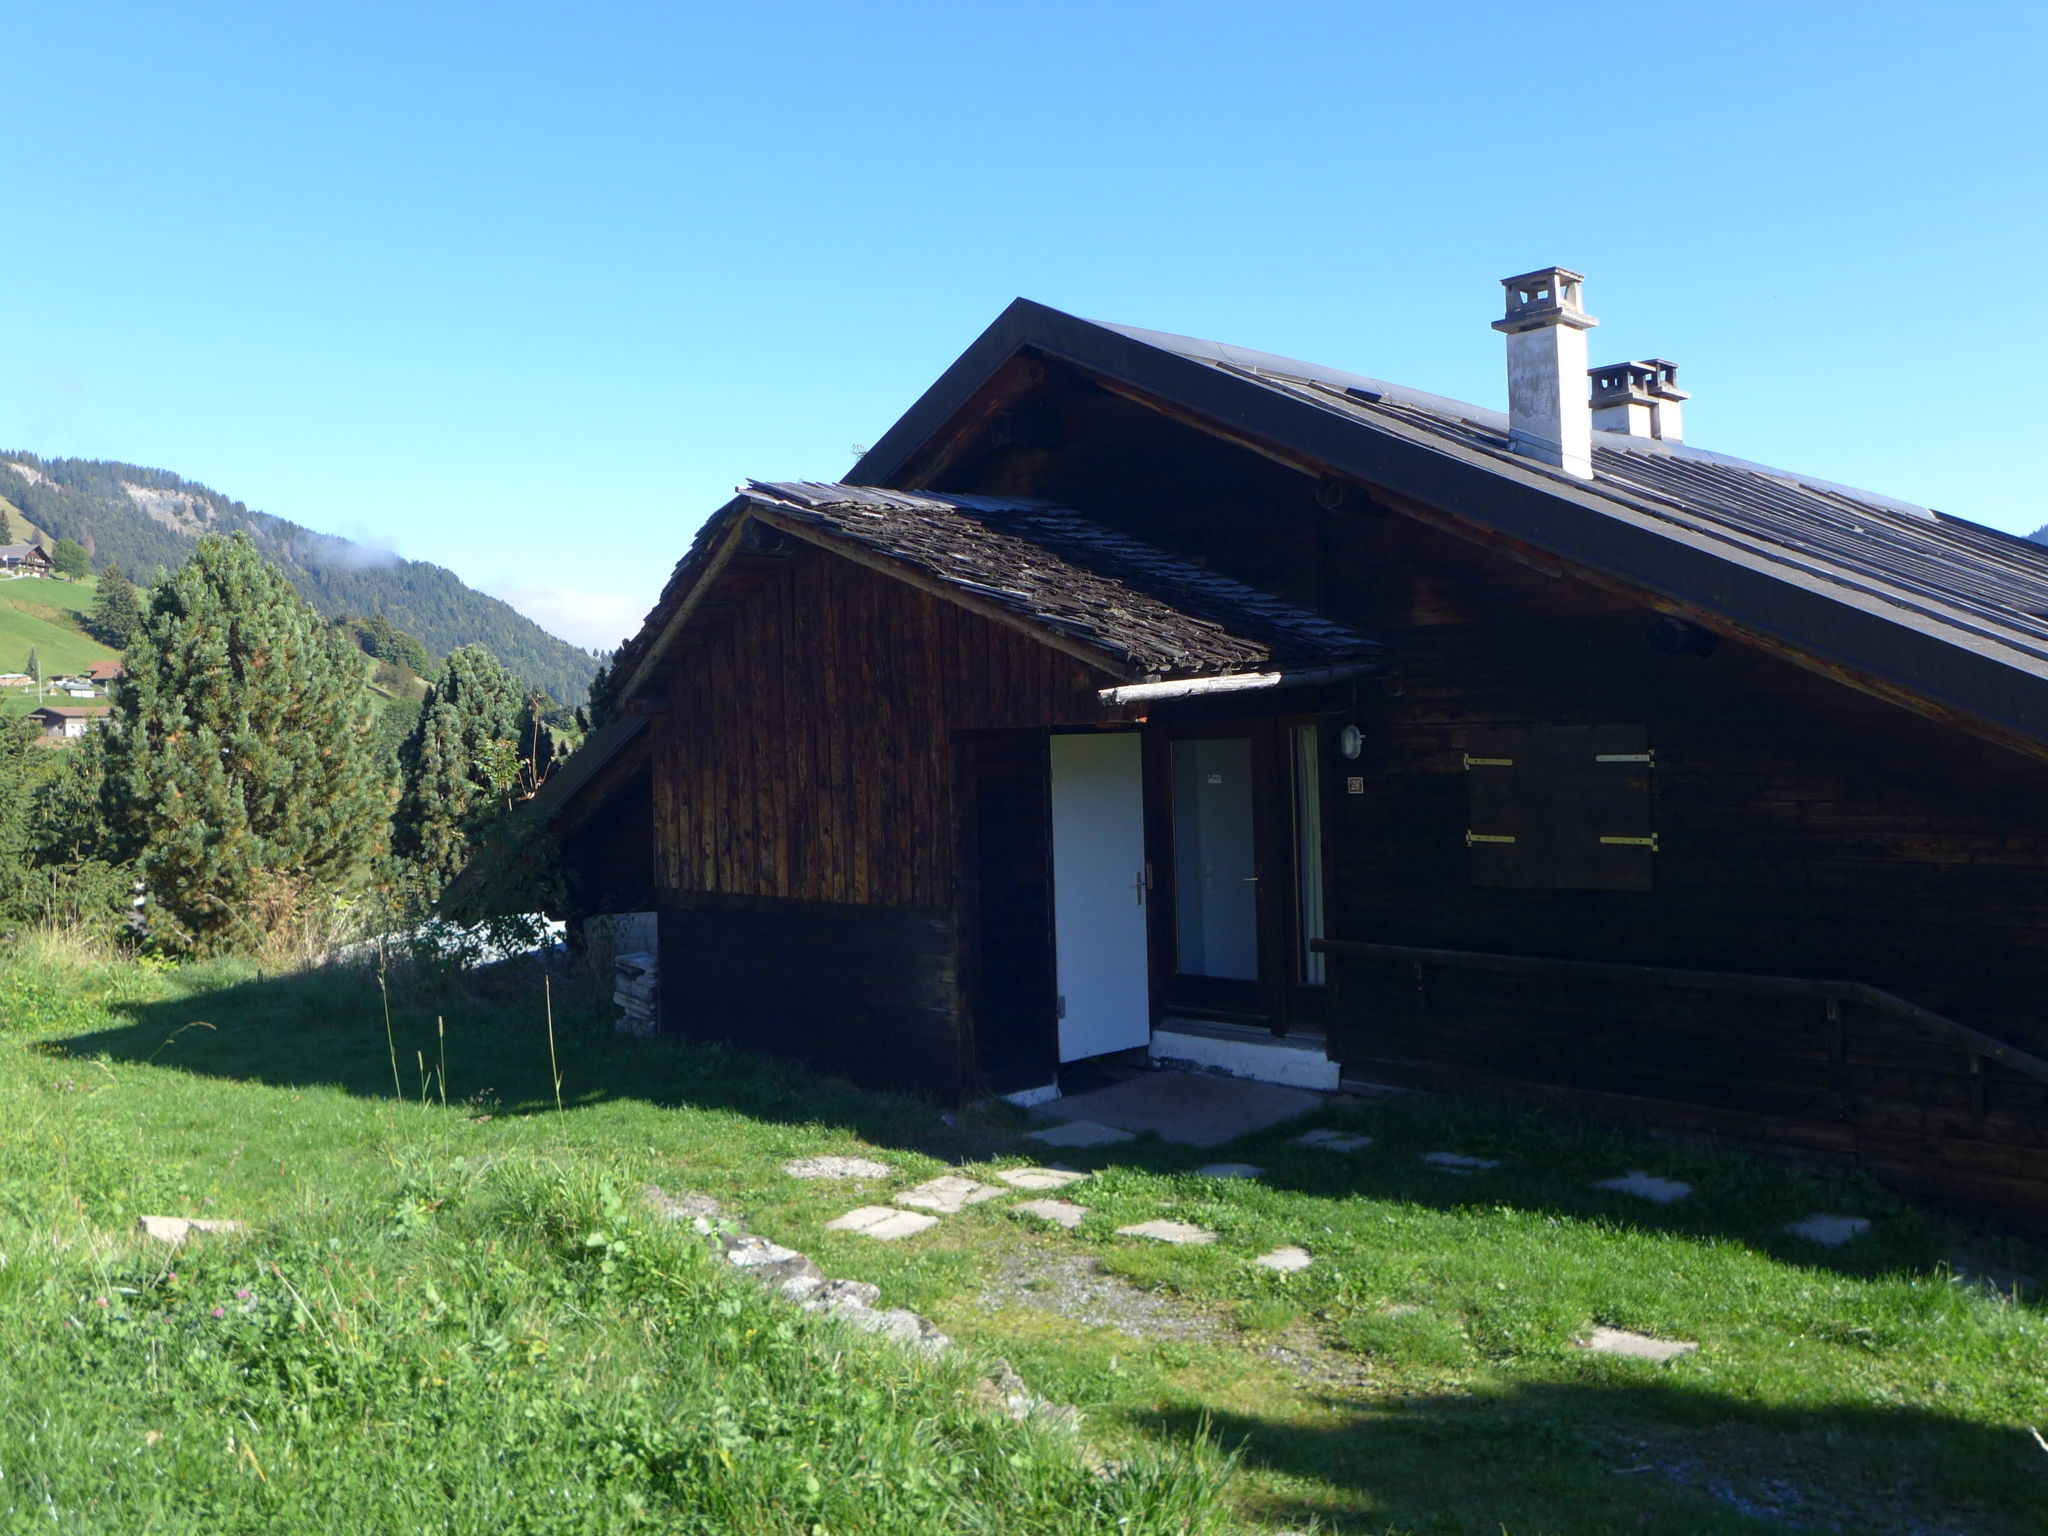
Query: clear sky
point(526, 289)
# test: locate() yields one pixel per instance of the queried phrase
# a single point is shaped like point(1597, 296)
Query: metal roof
point(1928, 609)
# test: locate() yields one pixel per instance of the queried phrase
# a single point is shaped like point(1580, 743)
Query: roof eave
point(1579, 525)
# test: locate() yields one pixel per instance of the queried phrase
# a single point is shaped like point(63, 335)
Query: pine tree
point(239, 764)
point(6, 526)
point(459, 765)
point(117, 614)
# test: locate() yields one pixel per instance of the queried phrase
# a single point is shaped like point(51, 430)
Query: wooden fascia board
point(707, 578)
point(910, 575)
point(1842, 634)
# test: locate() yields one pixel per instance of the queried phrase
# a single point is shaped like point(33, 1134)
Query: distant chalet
point(24, 560)
point(65, 722)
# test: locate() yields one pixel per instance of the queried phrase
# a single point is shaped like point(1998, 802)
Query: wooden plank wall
point(803, 785)
point(1805, 829)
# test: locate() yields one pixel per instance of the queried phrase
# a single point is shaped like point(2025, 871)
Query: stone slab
point(1646, 1186)
point(1079, 1133)
point(835, 1168)
point(1458, 1162)
point(898, 1326)
point(837, 1296)
point(1189, 1109)
point(1181, 1232)
point(1040, 1178)
point(1230, 1170)
point(175, 1229)
point(769, 1263)
point(1333, 1141)
point(884, 1223)
point(1635, 1346)
point(1062, 1213)
point(1289, 1260)
point(1829, 1231)
point(948, 1194)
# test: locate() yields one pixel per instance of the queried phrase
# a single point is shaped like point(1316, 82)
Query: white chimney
point(1548, 417)
point(1670, 413)
point(1640, 398)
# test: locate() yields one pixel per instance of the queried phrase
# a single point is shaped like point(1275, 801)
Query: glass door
point(1215, 842)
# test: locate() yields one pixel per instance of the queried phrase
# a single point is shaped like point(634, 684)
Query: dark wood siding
point(804, 811)
point(1804, 829)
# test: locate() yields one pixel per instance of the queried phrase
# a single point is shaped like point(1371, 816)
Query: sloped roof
point(1148, 613)
point(1917, 604)
point(1133, 609)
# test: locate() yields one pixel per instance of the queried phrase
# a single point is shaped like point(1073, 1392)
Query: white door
point(1098, 886)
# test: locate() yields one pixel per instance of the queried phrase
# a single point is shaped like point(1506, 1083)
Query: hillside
point(43, 616)
point(149, 518)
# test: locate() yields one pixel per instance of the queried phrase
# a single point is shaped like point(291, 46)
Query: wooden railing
point(1834, 992)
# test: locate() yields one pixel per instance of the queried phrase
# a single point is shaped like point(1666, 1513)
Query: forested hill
point(146, 518)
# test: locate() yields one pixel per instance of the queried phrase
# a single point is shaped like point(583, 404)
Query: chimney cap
point(1545, 297)
point(1665, 383)
point(1631, 383)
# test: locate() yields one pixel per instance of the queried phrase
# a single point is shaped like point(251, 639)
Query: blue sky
point(525, 290)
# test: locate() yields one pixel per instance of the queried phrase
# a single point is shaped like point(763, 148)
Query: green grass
point(45, 616)
point(460, 1317)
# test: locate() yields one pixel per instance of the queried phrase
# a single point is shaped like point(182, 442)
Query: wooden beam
point(686, 609)
point(1696, 981)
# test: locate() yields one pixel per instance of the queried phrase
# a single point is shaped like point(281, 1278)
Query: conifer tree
point(459, 765)
point(6, 526)
point(117, 614)
point(239, 764)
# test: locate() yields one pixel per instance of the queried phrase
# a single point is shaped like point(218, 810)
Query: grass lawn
point(459, 1317)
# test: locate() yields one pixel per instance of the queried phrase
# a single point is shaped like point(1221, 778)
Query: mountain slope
point(147, 518)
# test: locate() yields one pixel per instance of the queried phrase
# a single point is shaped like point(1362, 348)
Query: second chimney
point(1640, 399)
point(1548, 417)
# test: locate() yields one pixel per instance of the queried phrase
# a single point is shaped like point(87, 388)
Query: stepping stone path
point(1333, 1141)
point(836, 1168)
point(1180, 1232)
point(884, 1223)
point(1079, 1133)
point(1830, 1231)
point(1229, 1170)
point(1458, 1162)
point(175, 1229)
point(1287, 1260)
point(796, 1279)
point(949, 1194)
point(1646, 1185)
point(1063, 1213)
point(1040, 1178)
point(1634, 1346)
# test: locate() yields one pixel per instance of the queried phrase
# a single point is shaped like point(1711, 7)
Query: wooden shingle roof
point(1130, 607)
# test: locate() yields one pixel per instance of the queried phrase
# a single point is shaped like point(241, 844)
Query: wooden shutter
point(1560, 807)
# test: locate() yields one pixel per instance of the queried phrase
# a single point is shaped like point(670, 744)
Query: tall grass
point(507, 1346)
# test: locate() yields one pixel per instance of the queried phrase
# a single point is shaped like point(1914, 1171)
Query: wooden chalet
point(65, 722)
point(24, 560)
point(1143, 693)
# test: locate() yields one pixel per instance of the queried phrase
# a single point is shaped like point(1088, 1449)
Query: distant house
point(105, 673)
point(16, 680)
point(63, 722)
point(24, 560)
